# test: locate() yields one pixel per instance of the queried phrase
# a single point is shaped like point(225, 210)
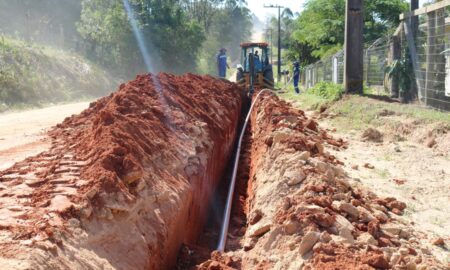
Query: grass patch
point(383, 173)
point(357, 112)
point(329, 91)
point(388, 157)
point(323, 94)
point(353, 115)
point(305, 101)
point(428, 115)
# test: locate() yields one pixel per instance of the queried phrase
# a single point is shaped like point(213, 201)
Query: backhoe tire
point(268, 76)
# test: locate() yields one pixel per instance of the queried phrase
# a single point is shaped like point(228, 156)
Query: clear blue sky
point(257, 6)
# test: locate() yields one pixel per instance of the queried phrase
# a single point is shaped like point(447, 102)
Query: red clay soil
point(170, 136)
point(136, 122)
point(303, 211)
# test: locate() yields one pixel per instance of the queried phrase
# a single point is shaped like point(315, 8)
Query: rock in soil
point(372, 135)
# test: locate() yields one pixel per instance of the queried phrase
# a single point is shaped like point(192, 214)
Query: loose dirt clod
point(439, 242)
point(126, 182)
point(399, 181)
point(372, 135)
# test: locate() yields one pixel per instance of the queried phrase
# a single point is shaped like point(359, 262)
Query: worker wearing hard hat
point(222, 63)
point(296, 77)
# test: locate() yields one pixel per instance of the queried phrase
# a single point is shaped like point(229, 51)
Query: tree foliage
point(320, 28)
point(231, 25)
point(181, 34)
point(173, 39)
point(50, 22)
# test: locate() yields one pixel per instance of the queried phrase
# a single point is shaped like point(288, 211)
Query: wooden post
point(414, 19)
point(414, 22)
point(413, 55)
point(354, 63)
point(396, 54)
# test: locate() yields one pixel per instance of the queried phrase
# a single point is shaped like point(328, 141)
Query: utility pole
point(271, 43)
point(414, 20)
point(279, 36)
point(354, 66)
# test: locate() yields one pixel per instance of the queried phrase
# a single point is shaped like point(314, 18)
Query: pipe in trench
point(227, 214)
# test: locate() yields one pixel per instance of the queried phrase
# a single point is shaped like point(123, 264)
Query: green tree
point(319, 29)
point(174, 40)
point(321, 26)
point(107, 35)
point(287, 28)
point(50, 22)
point(230, 25)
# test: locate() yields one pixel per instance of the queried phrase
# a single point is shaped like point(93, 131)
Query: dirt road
point(22, 134)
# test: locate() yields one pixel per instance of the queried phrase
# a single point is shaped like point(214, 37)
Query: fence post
point(308, 77)
point(414, 20)
point(413, 54)
point(368, 63)
point(335, 69)
point(313, 81)
point(431, 50)
point(396, 54)
point(440, 73)
point(353, 68)
point(316, 73)
point(414, 24)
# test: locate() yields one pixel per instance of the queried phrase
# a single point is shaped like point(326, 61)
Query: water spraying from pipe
point(139, 37)
point(143, 47)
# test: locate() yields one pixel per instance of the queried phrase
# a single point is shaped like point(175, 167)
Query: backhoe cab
point(255, 61)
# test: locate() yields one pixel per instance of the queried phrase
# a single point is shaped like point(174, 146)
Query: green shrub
point(32, 74)
point(328, 91)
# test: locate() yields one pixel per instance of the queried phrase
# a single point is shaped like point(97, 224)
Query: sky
point(257, 6)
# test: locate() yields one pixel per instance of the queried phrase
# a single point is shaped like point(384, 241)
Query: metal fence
point(423, 37)
point(430, 54)
point(331, 69)
point(376, 59)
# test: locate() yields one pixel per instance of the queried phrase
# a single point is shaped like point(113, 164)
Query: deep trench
point(193, 255)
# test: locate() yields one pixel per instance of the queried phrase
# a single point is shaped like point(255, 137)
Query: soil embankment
point(124, 183)
point(305, 212)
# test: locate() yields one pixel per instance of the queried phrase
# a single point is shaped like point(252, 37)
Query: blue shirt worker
point(222, 64)
point(258, 65)
point(296, 77)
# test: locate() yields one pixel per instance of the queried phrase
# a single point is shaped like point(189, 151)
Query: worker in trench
point(296, 77)
point(222, 63)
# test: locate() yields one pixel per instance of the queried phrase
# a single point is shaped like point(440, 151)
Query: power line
point(279, 36)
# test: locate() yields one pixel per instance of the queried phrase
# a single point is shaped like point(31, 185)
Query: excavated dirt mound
point(372, 135)
point(304, 212)
point(126, 182)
